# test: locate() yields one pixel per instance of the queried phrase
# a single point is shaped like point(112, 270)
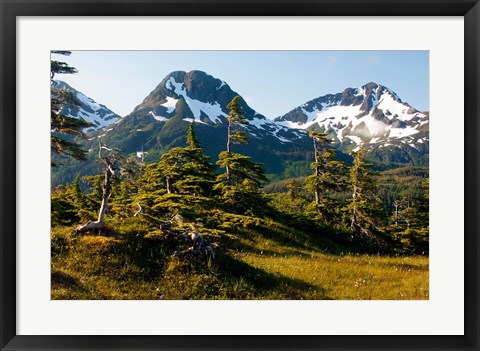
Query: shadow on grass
point(145, 257)
point(243, 247)
point(295, 237)
point(406, 266)
point(76, 290)
point(267, 285)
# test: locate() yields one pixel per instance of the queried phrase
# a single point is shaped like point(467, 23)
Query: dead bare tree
point(114, 165)
point(201, 248)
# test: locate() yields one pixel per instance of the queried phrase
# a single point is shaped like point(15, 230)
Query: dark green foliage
point(67, 148)
point(58, 67)
point(185, 170)
point(192, 140)
point(239, 187)
point(241, 192)
point(62, 126)
point(364, 206)
point(150, 205)
point(235, 118)
point(137, 248)
point(329, 177)
point(68, 203)
point(414, 215)
point(181, 183)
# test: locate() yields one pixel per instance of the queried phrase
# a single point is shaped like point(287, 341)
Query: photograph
point(239, 174)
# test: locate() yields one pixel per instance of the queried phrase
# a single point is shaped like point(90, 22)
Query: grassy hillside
point(177, 229)
point(255, 259)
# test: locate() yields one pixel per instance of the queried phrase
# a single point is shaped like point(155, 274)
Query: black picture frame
point(10, 10)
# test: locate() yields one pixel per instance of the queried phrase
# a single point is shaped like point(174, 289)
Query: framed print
point(228, 175)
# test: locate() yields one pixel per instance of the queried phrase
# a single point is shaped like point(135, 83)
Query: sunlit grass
point(128, 264)
point(348, 277)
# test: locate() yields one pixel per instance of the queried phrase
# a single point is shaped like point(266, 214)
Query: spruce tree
point(198, 173)
point(235, 118)
point(182, 178)
point(240, 184)
point(63, 127)
point(188, 170)
point(416, 215)
point(329, 175)
point(80, 199)
point(364, 206)
point(192, 140)
point(59, 67)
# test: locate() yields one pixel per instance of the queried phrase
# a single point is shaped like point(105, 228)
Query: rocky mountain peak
point(205, 96)
point(87, 109)
point(370, 114)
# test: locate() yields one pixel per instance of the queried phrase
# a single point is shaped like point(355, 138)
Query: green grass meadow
point(134, 264)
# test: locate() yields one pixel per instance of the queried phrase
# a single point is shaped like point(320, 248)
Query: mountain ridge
point(87, 109)
point(160, 121)
point(371, 115)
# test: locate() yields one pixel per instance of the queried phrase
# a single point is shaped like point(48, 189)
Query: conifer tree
point(192, 140)
point(417, 214)
point(329, 174)
point(61, 125)
point(235, 118)
point(364, 205)
point(240, 184)
point(59, 67)
point(199, 173)
point(188, 170)
point(424, 205)
point(94, 198)
point(79, 197)
point(295, 189)
point(182, 179)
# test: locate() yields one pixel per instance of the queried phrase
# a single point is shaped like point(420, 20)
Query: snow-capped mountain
point(202, 98)
point(160, 122)
point(87, 109)
point(393, 132)
point(371, 115)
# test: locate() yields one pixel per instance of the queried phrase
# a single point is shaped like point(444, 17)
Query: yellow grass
point(344, 277)
point(98, 267)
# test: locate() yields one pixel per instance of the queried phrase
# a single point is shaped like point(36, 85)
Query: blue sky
point(272, 82)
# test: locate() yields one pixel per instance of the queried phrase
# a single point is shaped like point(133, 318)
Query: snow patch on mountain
point(258, 122)
point(402, 132)
point(355, 139)
point(273, 128)
point(170, 104)
point(190, 120)
point(88, 109)
point(212, 111)
point(221, 85)
point(390, 106)
point(158, 118)
point(371, 113)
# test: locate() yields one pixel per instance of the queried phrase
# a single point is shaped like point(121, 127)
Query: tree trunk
point(397, 205)
point(140, 210)
point(169, 185)
point(317, 172)
point(107, 190)
point(354, 224)
point(227, 167)
point(229, 132)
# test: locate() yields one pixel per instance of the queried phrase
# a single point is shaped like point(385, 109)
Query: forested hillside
point(186, 228)
point(144, 208)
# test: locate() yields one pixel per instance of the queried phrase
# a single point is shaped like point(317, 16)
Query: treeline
point(184, 182)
